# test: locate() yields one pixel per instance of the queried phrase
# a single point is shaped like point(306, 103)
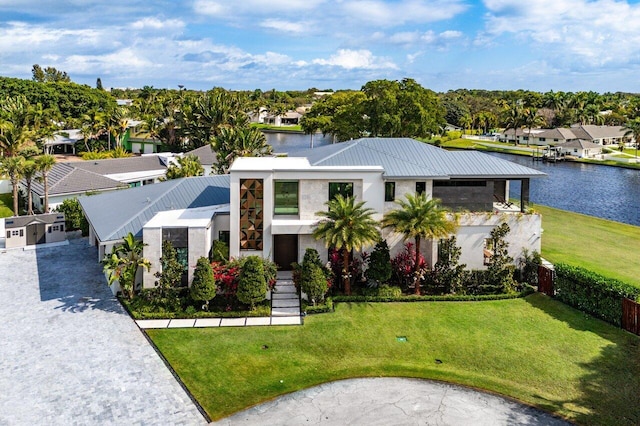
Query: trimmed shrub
point(383, 291)
point(327, 306)
point(448, 275)
point(73, 216)
point(203, 287)
point(219, 251)
point(379, 270)
point(593, 293)
point(252, 285)
point(313, 282)
point(500, 267)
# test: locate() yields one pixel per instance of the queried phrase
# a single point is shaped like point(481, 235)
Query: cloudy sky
point(296, 44)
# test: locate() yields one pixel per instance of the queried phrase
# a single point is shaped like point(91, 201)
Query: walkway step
point(283, 312)
point(285, 303)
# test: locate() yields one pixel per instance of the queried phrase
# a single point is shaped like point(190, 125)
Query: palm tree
point(28, 173)
point(13, 167)
point(187, 166)
point(531, 119)
point(512, 118)
point(632, 129)
point(347, 226)
point(13, 137)
point(418, 218)
point(232, 143)
point(44, 164)
point(124, 262)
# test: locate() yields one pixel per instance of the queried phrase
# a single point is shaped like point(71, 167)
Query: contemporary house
point(30, 230)
point(266, 206)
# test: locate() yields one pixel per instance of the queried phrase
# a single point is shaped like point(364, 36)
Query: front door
point(285, 250)
point(36, 234)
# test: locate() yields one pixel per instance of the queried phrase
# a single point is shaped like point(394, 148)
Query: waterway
point(603, 191)
point(607, 192)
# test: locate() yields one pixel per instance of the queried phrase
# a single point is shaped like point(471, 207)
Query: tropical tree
point(123, 264)
point(531, 119)
point(232, 143)
point(120, 122)
point(44, 164)
point(186, 166)
point(632, 129)
point(512, 118)
point(13, 168)
point(346, 226)
point(28, 173)
point(419, 218)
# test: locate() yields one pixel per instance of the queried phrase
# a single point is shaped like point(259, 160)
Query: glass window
point(343, 188)
point(421, 187)
point(285, 197)
point(224, 236)
point(22, 232)
point(389, 191)
point(8, 234)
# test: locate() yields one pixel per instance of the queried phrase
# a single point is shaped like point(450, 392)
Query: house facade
point(267, 206)
point(22, 231)
point(599, 135)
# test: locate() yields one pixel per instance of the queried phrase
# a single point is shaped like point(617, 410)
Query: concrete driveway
point(69, 354)
point(391, 401)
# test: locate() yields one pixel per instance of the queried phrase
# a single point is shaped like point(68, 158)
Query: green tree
point(531, 119)
point(73, 216)
point(170, 276)
point(252, 285)
point(346, 226)
point(448, 275)
point(28, 173)
point(44, 164)
point(99, 84)
point(49, 75)
point(13, 167)
point(419, 218)
point(632, 130)
point(341, 115)
point(232, 143)
point(203, 286)
point(185, 166)
point(123, 264)
point(500, 267)
point(313, 282)
point(379, 270)
point(512, 118)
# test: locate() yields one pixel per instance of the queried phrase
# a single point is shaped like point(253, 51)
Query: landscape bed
point(534, 349)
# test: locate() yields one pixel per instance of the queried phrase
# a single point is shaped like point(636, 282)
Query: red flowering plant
point(403, 265)
point(226, 276)
point(355, 268)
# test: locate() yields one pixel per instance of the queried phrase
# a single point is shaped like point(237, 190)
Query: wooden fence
point(631, 316)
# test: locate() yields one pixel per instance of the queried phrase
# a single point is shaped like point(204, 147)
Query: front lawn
point(6, 205)
point(603, 246)
point(534, 349)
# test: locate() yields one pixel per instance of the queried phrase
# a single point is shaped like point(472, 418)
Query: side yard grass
point(534, 349)
point(603, 246)
point(6, 205)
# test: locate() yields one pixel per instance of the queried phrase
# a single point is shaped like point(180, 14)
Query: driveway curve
point(391, 401)
point(69, 353)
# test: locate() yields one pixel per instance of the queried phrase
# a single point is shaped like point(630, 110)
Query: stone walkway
point(391, 401)
point(69, 354)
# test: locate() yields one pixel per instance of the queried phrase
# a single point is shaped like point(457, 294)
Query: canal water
point(608, 192)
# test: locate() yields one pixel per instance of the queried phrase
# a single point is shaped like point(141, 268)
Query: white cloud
point(285, 26)
point(351, 59)
point(595, 33)
point(157, 24)
point(393, 14)
point(254, 7)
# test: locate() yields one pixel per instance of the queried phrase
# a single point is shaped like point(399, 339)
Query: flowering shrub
point(355, 269)
point(403, 265)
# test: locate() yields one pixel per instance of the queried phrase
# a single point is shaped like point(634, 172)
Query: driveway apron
point(69, 353)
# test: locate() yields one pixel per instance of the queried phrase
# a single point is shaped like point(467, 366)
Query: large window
point(389, 191)
point(285, 197)
point(421, 187)
point(342, 188)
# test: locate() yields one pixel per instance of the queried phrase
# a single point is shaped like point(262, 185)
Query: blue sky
point(539, 45)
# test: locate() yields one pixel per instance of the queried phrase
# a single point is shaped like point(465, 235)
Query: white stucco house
point(266, 206)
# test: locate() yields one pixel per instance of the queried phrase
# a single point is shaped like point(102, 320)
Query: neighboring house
point(30, 230)
point(266, 206)
point(189, 212)
point(580, 148)
point(289, 118)
point(601, 135)
point(66, 139)
point(73, 179)
point(207, 157)
point(67, 181)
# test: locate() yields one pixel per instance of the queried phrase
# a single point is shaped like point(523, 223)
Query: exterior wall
point(474, 228)
point(16, 241)
point(5, 186)
point(199, 246)
point(307, 241)
point(404, 187)
point(152, 251)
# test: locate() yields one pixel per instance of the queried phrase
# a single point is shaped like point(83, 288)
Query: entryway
point(285, 251)
point(36, 234)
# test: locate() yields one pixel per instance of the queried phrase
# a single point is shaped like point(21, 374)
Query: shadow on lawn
point(71, 275)
point(611, 386)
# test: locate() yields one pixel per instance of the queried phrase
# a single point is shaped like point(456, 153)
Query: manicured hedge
point(446, 298)
point(592, 293)
point(327, 306)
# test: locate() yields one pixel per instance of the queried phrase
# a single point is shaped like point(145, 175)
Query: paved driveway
point(69, 354)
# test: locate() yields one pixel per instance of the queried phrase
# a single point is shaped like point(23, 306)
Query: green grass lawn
point(6, 205)
point(603, 246)
point(287, 128)
point(535, 349)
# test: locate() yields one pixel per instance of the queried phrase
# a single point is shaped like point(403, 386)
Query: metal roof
point(136, 206)
point(409, 158)
point(205, 154)
point(113, 166)
point(66, 179)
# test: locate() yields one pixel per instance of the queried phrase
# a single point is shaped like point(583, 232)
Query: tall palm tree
point(13, 167)
point(124, 262)
point(512, 118)
point(346, 226)
point(28, 173)
point(44, 164)
point(419, 218)
point(532, 119)
point(13, 137)
point(232, 143)
point(632, 129)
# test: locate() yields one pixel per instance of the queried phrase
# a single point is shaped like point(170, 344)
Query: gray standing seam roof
point(66, 179)
point(205, 154)
point(122, 165)
point(114, 214)
point(409, 158)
